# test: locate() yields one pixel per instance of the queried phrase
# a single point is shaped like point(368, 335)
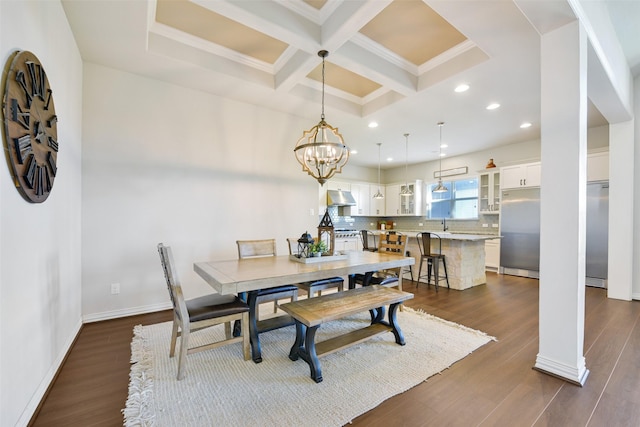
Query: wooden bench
point(310, 313)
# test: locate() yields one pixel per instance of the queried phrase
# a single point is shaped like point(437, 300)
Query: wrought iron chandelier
point(321, 150)
point(440, 188)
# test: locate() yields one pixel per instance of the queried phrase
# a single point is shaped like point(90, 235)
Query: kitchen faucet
point(444, 224)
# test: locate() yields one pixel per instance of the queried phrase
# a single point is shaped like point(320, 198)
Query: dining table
point(243, 276)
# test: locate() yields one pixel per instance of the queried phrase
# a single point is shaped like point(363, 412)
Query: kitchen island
point(465, 255)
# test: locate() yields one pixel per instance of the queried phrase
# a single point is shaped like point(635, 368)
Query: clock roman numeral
point(43, 181)
point(23, 147)
point(19, 116)
point(23, 84)
point(30, 175)
point(52, 163)
point(38, 78)
point(53, 144)
point(52, 121)
point(48, 100)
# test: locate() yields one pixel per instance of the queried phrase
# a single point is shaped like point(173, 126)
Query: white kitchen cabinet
point(348, 244)
point(489, 193)
point(361, 193)
point(377, 206)
point(520, 176)
point(598, 166)
point(338, 185)
point(397, 205)
point(392, 200)
point(492, 254)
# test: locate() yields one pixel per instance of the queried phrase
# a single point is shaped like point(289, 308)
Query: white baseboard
point(132, 311)
point(575, 375)
point(39, 393)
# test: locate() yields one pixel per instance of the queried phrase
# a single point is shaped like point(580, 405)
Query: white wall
point(162, 163)
point(40, 253)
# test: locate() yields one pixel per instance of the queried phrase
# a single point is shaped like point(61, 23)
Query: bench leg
point(298, 345)
point(310, 356)
point(393, 321)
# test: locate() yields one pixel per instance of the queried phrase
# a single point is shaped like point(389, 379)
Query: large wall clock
point(30, 126)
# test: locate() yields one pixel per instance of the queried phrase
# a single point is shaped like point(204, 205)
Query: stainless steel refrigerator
point(520, 230)
point(597, 256)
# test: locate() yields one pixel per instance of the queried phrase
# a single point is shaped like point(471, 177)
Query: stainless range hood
point(340, 198)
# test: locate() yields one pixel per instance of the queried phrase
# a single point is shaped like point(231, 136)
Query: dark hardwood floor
point(494, 386)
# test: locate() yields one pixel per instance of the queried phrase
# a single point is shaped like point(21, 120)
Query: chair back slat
point(256, 248)
point(292, 242)
point(173, 284)
point(424, 243)
point(394, 242)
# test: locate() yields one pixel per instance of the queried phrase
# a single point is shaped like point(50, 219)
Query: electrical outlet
point(485, 225)
point(115, 288)
point(420, 224)
point(494, 225)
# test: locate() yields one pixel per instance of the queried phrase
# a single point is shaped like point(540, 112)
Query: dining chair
point(367, 237)
point(199, 313)
point(393, 242)
point(315, 286)
point(433, 258)
point(259, 249)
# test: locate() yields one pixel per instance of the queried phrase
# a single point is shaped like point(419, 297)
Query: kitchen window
point(460, 202)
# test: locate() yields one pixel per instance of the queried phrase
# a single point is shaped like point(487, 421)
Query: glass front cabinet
point(489, 193)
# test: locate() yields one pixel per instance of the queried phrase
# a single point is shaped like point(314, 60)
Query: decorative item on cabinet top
point(462, 170)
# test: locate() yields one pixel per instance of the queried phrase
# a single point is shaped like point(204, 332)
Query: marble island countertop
point(446, 235)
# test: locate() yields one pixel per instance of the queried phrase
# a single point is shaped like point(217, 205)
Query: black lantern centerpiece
point(326, 232)
point(304, 245)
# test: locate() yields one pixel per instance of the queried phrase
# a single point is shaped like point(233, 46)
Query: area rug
point(222, 389)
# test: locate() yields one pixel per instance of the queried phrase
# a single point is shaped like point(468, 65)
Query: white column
point(621, 218)
point(563, 202)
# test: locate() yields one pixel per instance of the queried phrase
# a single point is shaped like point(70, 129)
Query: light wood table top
point(243, 275)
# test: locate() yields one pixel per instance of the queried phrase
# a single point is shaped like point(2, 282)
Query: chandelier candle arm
point(321, 150)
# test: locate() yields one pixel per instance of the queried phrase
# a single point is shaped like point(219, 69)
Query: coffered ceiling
point(395, 62)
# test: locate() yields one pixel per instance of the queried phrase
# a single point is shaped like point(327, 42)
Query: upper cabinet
point(489, 193)
point(360, 192)
point(598, 166)
point(518, 176)
point(377, 206)
point(397, 205)
point(392, 200)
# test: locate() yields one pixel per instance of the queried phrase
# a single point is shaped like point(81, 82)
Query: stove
point(343, 233)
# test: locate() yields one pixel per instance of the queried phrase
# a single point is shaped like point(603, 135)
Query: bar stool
point(433, 259)
point(365, 235)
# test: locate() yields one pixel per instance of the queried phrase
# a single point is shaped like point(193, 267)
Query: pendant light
point(379, 194)
point(440, 188)
point(406, 191)
point(321, 150)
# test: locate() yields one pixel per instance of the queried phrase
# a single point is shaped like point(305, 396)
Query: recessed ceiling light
point(493, 106)
point(353, 151)
point(525, 125)
point(389, 159)
point(373, 124)
point(443, 146)
point(462, 88)
point(443, 154)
